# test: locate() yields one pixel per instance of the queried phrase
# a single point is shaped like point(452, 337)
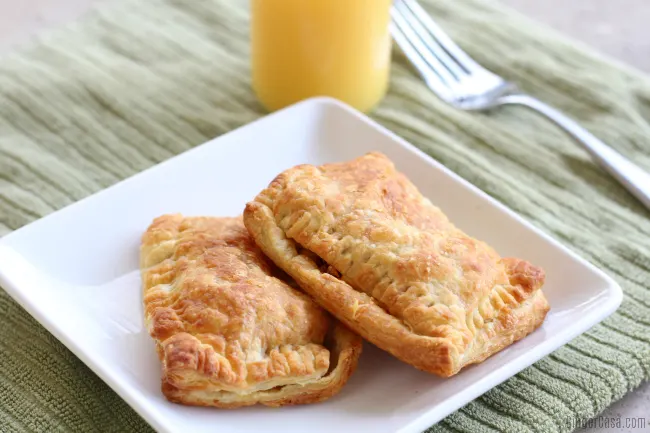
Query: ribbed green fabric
point(140, 81)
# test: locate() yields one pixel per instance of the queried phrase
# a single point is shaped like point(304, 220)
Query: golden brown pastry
point(228, 332)
point(361, 239)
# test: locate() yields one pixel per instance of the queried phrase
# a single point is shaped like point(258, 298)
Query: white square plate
point(76, 271)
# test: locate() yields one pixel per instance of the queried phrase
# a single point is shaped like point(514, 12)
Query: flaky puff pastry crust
point(229, 331)
point(367, 246)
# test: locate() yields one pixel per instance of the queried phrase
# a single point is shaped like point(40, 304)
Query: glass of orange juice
point(305, 48)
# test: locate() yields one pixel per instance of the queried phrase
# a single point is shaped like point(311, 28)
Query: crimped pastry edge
point(364, 316)
point(345, 348)
point(343, 345)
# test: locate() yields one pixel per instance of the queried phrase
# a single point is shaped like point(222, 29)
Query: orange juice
point(305, 48)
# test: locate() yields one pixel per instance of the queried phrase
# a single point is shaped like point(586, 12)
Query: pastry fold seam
point(228, 331)
point(395, 269)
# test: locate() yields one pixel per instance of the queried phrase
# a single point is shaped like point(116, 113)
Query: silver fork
point(459, 80)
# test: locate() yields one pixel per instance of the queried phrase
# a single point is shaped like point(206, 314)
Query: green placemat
point(140, 81)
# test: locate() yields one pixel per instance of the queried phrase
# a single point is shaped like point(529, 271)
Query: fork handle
point(631, 176)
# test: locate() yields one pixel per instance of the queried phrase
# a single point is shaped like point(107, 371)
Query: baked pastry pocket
point(367, 246)
point(229, 329)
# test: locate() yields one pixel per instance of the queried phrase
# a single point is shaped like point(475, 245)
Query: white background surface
point(616, 27)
